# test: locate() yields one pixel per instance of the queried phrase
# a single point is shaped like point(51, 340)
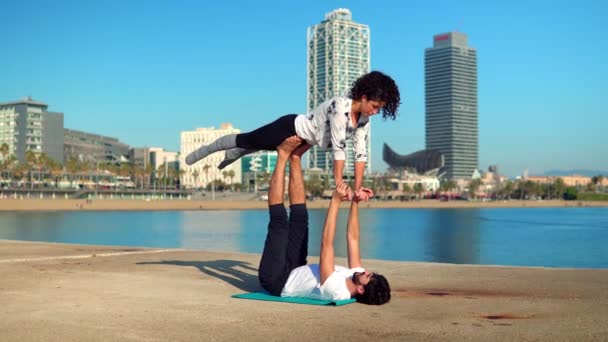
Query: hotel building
point(338, 54)
point(451, 103)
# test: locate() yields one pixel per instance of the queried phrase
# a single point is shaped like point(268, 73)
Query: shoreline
point(227, 204)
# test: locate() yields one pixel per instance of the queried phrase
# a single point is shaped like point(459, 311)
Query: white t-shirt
point(330, 125)
point(305, 282)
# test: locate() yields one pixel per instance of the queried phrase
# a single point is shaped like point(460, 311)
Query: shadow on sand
point(230, 271)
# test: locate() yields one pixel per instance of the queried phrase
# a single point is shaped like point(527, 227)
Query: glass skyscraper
point(338, 54)
point(450, 77)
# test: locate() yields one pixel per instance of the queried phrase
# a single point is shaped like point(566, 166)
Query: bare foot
point(288, 145)
point(301, 149)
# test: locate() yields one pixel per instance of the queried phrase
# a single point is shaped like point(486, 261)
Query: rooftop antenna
point(458, 26)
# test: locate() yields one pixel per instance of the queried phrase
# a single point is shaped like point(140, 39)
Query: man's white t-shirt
point(305, 282)
point(329, 126)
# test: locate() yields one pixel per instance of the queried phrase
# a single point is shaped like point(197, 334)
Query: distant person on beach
point(328, 126)
point(283, 267)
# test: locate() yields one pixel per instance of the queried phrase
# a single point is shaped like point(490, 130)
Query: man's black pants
point(286, 246)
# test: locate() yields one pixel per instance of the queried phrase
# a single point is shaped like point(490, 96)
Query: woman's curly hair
point(376, 292)
point(379, 87)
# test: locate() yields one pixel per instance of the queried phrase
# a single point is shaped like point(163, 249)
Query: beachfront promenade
point(58, 292)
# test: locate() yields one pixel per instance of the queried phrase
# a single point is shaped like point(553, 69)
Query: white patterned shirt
point(329, 126)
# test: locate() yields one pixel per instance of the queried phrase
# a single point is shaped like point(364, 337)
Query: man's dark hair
point(377, 86)
point(376, 292)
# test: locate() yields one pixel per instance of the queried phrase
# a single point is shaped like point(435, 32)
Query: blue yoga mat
point(295, 300)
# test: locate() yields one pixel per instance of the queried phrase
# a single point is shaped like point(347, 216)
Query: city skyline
point(147, 72)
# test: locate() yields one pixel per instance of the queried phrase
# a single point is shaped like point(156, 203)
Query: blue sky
point(143, 71)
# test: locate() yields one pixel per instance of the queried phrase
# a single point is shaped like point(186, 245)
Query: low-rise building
point(95, 148)
point(205, 171)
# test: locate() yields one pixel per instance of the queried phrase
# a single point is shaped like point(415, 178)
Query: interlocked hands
point(346, 193)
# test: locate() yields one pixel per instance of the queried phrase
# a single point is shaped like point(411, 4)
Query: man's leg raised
point(273, 270)
point(297, 248)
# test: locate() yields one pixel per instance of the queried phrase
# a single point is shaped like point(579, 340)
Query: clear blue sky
point(144, 71)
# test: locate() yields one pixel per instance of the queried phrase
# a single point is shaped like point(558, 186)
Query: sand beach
point(60, 292)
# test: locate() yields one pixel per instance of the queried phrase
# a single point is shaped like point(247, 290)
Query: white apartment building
point(429, 183)
point(205, 171)
point(27, 125)
point(159, 157)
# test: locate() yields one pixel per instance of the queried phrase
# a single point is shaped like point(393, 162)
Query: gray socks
point(226, 142)
point(232, 155)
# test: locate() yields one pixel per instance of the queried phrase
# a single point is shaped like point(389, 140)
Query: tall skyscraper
point(450, 79)
point(26, 125)
point(338, 54)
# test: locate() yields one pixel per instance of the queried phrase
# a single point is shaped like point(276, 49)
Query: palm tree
point(474, 187)
point(231, 176)
point(418, 189)
point(148, 171)
point(72, 166)
point(225, 175)
point(20, 171)
point(11, 163)
point(180, 173)
point(30, 160)
point(139, 173)
point(195, 174)
point(507, 189)
point(559, 188)
point(42, 163)
point(315, 186)
point(597, 181)
point(56, 170)
point(4, 152)
point(206, 168)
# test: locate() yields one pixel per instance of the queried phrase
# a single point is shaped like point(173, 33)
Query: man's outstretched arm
point(327, 263)
point(352, 236)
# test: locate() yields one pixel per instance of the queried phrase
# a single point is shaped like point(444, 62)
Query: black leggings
point(286, 246)
point(270, 136)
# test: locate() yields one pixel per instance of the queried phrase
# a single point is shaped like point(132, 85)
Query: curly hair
point(379, 87)
point(376, 292)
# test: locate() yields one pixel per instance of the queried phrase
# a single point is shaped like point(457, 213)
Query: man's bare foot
point(300, 150)
point(288, 145)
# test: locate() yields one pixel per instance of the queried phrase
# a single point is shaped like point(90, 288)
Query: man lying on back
point(283, 269)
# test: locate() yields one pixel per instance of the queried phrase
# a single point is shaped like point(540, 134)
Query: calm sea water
point(553, 237)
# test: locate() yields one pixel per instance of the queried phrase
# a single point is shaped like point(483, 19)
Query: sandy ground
point(227, 204)
point(57, 292)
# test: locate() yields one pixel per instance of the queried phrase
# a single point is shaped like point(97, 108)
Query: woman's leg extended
point(233, 155)
point(270, 136)
point(224, 143)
